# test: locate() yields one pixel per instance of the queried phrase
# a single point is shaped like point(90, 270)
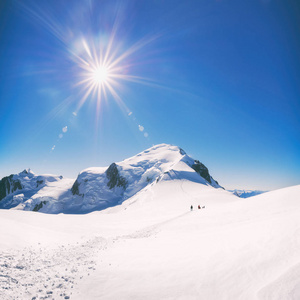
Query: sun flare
point(100, 75)
point(100, 71)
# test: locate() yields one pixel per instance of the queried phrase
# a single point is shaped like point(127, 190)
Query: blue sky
point(220, 79)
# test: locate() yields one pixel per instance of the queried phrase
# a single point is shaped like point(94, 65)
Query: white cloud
point(65, 129)
point(52, 149)
point(74, 113)
point(141, 128)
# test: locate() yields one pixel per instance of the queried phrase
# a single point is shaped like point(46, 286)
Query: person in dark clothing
point(199, 207)
point(191, 207)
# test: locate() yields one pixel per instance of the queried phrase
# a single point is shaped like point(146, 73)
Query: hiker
point(191, 207)
point(199, 207)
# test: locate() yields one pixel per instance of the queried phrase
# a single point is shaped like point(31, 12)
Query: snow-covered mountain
point(17, 190)
point(100, 188)
point(246, 193)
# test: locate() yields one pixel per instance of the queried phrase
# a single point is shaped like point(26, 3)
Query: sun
point(101, 68)
point(100, 75)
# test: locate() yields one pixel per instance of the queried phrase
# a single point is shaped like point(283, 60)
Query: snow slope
point(153, 247)
point(229, 250)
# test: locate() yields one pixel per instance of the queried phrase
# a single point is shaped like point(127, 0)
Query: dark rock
point(115, 179)
point(39, 206)
point(39, 182)
point(201, 170)
point(182, 152)
point(75, 188)
point(9, 185)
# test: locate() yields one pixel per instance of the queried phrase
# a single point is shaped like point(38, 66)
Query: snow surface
point(153, 246)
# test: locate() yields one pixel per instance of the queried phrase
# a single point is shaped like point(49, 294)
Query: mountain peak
point(27, 172)
point(121, 180)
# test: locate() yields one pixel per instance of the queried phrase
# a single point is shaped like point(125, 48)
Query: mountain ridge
point(98, 188)
point(246, 193)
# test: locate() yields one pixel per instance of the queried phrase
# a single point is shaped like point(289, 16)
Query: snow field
point(239, 251)
point(153, 247)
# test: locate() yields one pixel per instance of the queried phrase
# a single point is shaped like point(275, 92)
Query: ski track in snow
point(47, 273)
point(150, 230)
point(53, 273)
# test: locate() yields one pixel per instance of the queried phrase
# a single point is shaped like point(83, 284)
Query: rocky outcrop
point(39, 206)
point(115, 179)
point(201, 170)
point(75, 188)
point(39, 182)
point(182, 152)
point(9, 185)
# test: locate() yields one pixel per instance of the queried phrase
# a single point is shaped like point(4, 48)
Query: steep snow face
point(99, 188)
point(16, 189)
point(246, 193)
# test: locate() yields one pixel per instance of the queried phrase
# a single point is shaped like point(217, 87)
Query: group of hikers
point(199, 207)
